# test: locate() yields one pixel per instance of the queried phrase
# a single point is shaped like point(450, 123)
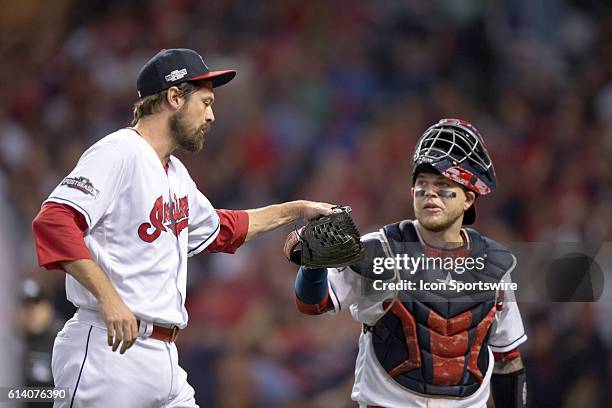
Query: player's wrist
point(296, 209)
point(291, 211)
point(108, 296)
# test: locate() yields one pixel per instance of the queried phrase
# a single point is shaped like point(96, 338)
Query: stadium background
point(328, 103)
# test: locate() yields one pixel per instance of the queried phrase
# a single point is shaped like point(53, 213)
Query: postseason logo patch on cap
point(176, 75)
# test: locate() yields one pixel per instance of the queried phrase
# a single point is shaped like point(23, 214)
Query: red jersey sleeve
point(324, 306)
point(58, 235)
point(507, 356)
point(233, 231)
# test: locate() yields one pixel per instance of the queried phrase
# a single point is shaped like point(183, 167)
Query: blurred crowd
point(329, 101)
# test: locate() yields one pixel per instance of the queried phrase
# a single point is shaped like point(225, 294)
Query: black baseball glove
point(326, 242)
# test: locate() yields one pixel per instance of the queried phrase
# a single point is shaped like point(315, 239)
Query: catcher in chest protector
point(422, 347)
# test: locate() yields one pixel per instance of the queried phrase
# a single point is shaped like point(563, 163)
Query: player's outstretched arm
point(120, 322)
point(273, 216)
point(508, 381)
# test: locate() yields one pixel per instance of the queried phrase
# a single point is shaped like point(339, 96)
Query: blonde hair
point(151, 104)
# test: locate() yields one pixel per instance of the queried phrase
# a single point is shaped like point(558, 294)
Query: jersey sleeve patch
point(95, 183)
point(82, 184)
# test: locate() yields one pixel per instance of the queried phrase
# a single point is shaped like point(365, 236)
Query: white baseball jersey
point(143, 224)
point(373, 386)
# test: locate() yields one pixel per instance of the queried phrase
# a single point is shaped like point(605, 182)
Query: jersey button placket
point(171, 203)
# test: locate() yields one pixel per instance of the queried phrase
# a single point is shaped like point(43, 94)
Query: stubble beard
point(442, 224)
point(184, 136)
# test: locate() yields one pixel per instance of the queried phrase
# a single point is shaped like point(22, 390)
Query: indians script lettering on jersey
point(144, 221)
point(173, 216)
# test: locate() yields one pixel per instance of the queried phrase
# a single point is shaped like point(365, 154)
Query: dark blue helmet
point(455, 149)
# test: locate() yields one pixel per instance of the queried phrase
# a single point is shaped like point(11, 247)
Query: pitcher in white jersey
point(424, 344)
point(122, 225)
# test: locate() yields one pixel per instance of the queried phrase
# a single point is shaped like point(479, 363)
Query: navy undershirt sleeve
point(311, 285)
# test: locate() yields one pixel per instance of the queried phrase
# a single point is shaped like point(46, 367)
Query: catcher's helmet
point(455, 149)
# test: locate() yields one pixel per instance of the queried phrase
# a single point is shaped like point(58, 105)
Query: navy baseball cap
point(174, 66)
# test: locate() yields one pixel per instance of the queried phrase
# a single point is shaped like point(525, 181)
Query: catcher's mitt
point(326, 242)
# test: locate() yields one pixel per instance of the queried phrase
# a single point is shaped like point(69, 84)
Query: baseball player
point(122, 225)
point(425, 344)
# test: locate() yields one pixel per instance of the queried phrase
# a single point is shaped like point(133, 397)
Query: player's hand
point(313, 209)
point(120, 322)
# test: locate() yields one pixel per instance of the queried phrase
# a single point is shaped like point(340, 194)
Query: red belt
point(166, 334)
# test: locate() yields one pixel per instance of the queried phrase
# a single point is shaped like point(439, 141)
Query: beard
point(441, 224)
point(184, 135)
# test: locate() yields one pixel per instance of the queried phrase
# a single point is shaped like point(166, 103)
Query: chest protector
point(435, 342)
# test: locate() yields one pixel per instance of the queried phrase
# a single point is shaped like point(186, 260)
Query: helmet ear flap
point(469, 216)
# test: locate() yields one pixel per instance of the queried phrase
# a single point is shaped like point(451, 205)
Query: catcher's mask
point(455, 149)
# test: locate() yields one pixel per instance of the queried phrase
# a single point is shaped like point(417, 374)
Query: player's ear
point(412, 191)
point(173, 97)
point(470, 197)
